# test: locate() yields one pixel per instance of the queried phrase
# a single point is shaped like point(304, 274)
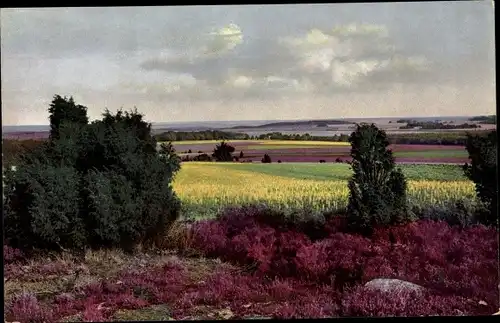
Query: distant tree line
point(301, 137)
point(458, 138)
point(431, 125)
point(201, 135)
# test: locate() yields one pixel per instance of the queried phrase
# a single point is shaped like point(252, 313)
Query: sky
point(251, 62)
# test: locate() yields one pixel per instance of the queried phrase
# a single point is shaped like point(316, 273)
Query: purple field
point(306, 151)
point(309, 152)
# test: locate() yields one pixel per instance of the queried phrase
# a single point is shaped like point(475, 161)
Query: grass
point(433, 154)
point(316, 171)
point(302, 143)
point(199, 142)
point(99, 266)
point(285, 147)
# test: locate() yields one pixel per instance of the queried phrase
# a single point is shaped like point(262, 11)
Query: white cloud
point(343, 57)
point(223, 40)
point(349, 72)
point(241, 81)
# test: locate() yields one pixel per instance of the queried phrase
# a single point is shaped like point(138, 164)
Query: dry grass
point(178, 237)
point(101, 265)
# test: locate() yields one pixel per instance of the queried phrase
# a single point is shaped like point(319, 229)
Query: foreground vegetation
point(92, 189)
point(264, 270)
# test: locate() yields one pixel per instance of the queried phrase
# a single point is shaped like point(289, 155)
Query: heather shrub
point(286, 246)
point(360, 302)
point(343, 255)
point(11, 255)
point(377, 191)
point(100, 185)
point(315, 226)
point(26, 308)
point(210, 237)
point(483, 172)
point(448, 260)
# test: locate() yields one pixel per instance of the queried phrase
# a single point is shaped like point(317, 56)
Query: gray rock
point(393, 285)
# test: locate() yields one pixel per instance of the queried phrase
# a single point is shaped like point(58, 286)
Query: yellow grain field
point(205, 190)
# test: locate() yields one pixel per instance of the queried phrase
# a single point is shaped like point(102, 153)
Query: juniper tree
point(377, 191)
point(483, 172)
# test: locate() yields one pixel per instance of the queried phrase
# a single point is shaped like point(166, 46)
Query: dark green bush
point(99, 185)
point(377, 190)
point(483, 172)
point(223, 152)
point(43, 207)
point(113, 213)
point(266, 159)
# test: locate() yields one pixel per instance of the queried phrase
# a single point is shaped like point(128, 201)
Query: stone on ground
point(393, 285)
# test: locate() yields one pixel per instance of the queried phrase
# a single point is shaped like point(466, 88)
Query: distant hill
point(491, 119)
point(317, 123)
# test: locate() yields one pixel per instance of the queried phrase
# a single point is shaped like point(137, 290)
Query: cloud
point(346, 57)
point(223, 40)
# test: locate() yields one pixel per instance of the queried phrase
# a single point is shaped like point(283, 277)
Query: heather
point(247, 266)
point(446, 259)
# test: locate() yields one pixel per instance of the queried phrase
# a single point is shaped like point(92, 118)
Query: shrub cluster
point(100, 184)
point(447, 260)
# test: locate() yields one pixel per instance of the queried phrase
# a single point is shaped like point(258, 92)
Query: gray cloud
point(249, 57)
point(344, 57)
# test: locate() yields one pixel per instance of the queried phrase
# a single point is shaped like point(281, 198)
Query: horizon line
point(283, 120)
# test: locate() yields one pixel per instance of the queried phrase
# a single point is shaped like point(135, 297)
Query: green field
point(433, 154)
point(329, 172)
point(284, 147)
